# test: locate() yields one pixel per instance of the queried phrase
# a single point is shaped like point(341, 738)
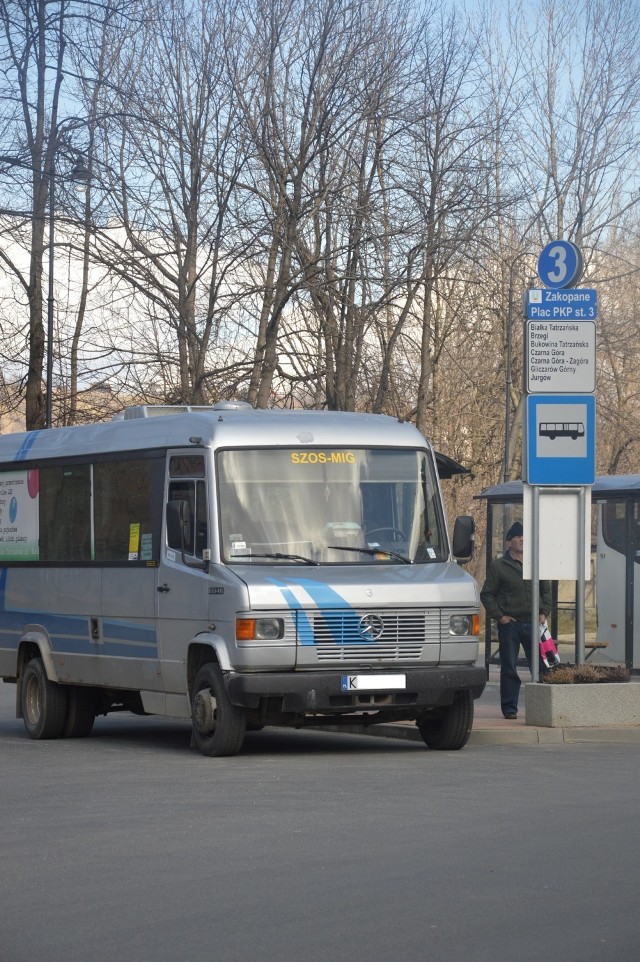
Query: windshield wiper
point(373, 551)
point(278, 556)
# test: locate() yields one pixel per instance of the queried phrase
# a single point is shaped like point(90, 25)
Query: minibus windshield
point(329, 506)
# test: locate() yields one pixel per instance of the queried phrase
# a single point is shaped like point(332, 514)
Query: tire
point(218, 726)
point(449, 729)
point(81, 713)
point(44, 704)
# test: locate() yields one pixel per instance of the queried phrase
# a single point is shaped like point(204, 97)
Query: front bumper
point(315, 692)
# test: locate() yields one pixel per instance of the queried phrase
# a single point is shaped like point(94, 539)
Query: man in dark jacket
point(506, 597)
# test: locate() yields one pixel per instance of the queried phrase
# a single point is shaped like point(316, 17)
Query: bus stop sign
point(560, 445)
point(560, 264)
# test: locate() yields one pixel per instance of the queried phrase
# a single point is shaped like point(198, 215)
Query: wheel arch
point(35, 643)
point(203, 649)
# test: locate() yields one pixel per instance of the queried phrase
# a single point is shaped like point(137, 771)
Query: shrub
point(566, 674)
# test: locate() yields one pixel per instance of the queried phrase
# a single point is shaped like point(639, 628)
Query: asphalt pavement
point(313, 845)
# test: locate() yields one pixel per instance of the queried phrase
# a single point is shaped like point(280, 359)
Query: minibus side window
point(65, 513)
point(614, 525)
point(194, 493)
point(123, 510)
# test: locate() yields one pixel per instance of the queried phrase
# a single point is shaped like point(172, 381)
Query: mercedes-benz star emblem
point(371, 627)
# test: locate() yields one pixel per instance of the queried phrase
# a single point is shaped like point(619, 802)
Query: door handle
point(163, 588)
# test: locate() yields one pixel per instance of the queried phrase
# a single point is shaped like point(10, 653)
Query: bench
point(594, 646)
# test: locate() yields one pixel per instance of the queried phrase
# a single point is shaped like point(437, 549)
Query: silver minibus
point(237, 568)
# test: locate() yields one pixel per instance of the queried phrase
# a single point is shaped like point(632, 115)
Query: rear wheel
point(81, 713)
point(44, 704)
point(449, 728)
point(218, 726)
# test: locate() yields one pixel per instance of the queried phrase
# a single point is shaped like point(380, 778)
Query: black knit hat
point(515, 531)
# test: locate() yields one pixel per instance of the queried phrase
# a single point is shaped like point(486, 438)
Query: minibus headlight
point(259, 629)
point(464, 625)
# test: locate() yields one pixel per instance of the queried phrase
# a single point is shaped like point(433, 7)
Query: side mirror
point(178, 524)
point(463, 538)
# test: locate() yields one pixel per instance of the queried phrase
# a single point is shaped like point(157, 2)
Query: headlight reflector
point(259, 629)
point(464, 624)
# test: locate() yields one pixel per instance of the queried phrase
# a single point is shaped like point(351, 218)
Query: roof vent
point(158, 410)
point(232, 406)
point(153, 411)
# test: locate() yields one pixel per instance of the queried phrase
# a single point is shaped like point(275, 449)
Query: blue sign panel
point(577, 304)
point(560, 264)
point(561, 439)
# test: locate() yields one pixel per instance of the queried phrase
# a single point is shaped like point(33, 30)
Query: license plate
point(373, 682)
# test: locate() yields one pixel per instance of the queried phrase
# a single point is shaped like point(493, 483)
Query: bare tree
point(33, 48)
point(617, 273)
point(310, 97)
point(173, 155)
point(443, 186)
point(348, 248)
point(579, 136)
point(39, 43)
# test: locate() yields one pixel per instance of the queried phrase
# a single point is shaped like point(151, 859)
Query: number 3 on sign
point(560, 264)
point(560, 274)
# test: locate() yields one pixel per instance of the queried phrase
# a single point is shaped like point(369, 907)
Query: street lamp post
point(49, 379)
point(507, 380)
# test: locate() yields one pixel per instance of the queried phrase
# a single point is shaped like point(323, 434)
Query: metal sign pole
point(580, 599)
point(535, 583)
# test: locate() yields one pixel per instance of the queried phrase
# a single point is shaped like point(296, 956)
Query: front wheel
point(448, 729)
point(218, 726)
point(44, 704)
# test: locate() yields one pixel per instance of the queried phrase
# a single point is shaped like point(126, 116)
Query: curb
point(511, 736)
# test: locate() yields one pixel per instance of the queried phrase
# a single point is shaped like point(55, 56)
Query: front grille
point(359, 653)
point(339, 634)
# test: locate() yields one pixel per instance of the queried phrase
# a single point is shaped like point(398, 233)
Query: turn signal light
point(245, 629)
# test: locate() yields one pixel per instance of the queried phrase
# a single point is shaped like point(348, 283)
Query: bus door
point(618, 581)
point(126, 543)
point(182, 591)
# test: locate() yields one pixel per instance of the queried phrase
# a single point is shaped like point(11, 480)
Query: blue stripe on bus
point(305, 631)
point(72, 633)
point(115, 628)
point(28, 443)
point(105, 649)
point(344, 629)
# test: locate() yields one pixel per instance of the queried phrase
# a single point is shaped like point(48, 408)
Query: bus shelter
point(612, 631)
